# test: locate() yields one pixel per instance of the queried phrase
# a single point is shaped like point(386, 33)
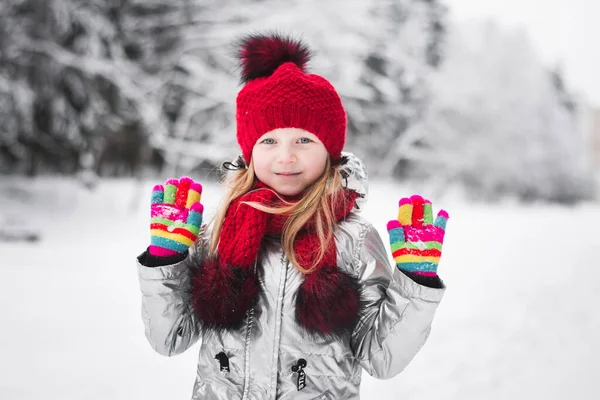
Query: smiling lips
point(287, 173)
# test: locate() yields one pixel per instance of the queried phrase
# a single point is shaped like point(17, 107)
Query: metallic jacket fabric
point(270, 357)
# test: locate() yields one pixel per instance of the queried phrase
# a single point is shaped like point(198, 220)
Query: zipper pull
point(223, 361)
point(299, 369)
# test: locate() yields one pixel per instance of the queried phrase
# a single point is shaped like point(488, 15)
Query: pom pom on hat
point(261, 55)
point(279, 93)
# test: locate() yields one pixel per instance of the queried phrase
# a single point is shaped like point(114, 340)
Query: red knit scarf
point(225, 288)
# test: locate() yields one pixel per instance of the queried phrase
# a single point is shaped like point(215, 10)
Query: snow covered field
point(520, 319)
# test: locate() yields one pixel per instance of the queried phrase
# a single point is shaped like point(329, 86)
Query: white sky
point(563, 31)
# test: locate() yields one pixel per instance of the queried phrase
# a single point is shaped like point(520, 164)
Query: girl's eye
point(305, 140)
point(268, 141)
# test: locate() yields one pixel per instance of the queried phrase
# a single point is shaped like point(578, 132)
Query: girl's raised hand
point(416, 240)
point(176, 216)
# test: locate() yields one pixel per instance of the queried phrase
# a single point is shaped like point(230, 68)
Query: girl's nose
point(286, 156)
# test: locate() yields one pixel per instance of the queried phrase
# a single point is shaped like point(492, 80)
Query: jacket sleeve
point(398, 312)
point(170, 324)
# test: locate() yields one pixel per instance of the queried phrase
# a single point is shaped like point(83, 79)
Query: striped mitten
point(176, 216)
point(416, 240)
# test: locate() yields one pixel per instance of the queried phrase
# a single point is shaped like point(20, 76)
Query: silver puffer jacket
point(269, 358)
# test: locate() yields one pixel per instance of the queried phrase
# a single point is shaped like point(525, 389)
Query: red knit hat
point(278, 93)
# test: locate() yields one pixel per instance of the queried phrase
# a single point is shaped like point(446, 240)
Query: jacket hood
point(355, 177)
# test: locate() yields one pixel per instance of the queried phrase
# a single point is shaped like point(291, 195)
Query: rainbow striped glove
point(416, 240)
point(176, 216)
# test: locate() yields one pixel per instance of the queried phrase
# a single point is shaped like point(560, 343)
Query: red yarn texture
point(290, 98)
point(244, 227)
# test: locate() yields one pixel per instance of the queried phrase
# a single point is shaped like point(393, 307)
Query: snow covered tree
point(498, 123)
point(115, 81)
point(377, 55)
point(73, 90)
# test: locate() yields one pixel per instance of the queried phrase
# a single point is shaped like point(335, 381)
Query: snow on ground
point(517, 322)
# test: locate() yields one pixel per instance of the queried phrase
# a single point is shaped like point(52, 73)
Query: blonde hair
point(318, 204)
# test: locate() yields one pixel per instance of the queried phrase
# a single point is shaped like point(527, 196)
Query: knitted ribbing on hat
point(225, 288)
point(278, 93)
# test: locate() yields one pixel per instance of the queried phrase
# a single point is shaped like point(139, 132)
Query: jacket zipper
point(277, 338)
point(247, 349)
point(247, 354)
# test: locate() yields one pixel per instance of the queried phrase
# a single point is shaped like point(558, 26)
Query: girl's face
point(289, 160)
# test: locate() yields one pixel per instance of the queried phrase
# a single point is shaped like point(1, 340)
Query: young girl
point(291, 291)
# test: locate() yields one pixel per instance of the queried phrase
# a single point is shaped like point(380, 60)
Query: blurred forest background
point(113, 88)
